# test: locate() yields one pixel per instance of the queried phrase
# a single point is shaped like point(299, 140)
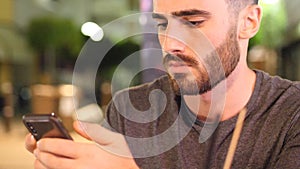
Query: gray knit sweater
point(170, 139)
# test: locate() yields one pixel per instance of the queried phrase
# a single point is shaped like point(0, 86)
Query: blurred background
point(40, 41)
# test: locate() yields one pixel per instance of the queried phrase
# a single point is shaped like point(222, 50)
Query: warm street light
point(92, 30)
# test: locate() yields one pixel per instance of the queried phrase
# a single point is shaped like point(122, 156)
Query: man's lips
point(178, 67)
point(176, 63)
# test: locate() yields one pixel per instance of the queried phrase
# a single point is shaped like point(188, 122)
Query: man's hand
point(111, 150)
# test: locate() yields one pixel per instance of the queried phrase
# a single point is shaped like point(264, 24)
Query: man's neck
point(229, 97)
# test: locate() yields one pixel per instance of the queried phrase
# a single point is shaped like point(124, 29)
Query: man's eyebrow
point(190, 12)
point(158, 16)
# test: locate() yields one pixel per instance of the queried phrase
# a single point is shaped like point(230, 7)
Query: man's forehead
point(171, 6)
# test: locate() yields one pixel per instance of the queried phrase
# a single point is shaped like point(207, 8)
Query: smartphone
point(45, 125)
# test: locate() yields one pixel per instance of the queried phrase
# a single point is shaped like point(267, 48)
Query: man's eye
point(196, 23)
point(162, 26)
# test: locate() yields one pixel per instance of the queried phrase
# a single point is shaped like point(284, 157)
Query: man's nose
point(170, 41)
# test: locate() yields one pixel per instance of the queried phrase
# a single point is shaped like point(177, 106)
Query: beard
point(219, 64)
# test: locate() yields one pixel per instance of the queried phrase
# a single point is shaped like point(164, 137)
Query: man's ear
point(249, 21)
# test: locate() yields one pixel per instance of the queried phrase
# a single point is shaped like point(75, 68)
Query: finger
point(99, 134)
point(52, 161)
point(60, 147)
point(30, 143)
point(38, 165)
point(112, 142)
point(79, 129)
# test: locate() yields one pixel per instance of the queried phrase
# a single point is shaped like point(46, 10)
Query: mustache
point(180, 58)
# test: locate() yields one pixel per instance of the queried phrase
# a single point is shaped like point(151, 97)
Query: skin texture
point(51, 153)
point(223, 30)
point(236, 30)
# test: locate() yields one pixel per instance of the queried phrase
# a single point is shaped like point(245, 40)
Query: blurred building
point(15, 54)
point(18, 63)
point(290, 52)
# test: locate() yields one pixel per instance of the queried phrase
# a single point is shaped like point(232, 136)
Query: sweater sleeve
point(290, 155)
point(113, 118)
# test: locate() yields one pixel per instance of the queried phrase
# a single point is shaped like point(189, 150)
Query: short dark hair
point(237, 5)
point(242, 1)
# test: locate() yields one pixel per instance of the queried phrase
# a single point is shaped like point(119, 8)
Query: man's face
point(185, 30)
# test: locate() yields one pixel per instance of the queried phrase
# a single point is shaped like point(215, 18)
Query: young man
point(176, 115)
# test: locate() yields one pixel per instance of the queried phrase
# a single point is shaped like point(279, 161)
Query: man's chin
point(182, 86)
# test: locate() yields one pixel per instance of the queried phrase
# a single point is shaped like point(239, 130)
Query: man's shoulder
point(281, 94)
point(161, 83)
point(154, 94)
point(158, 83)
point(276, 95)
point(279, 84)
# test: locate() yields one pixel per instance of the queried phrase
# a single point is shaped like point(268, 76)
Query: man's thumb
point(80, 130)
point(91, 113)
point(97, 133)
point(110, 141)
